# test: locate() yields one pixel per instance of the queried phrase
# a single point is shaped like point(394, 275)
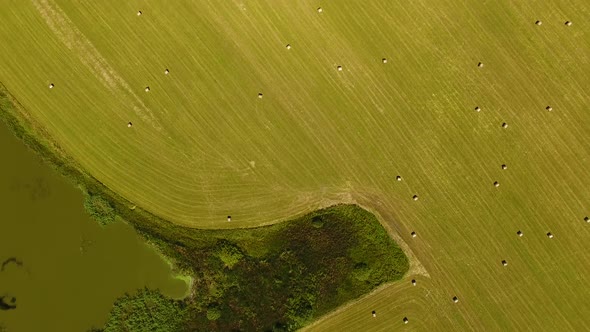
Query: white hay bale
point(414, 234)
point(504, 125)
point(477, 108)
point(480, 64)
point(413, 282)
point(288, 46)
point(549, 108)
point(228, 218)
point(320, 10)
point(374, 313)
point(538, 23)
point(504, 263)
point(260, 95)
point(568, 23)
point(339, 68)
point(129, 125)
point(415, 197)
point(496, 184)
point(51, 86)
point(147, 89)
point(398, 178)
point(455, 299)
point(504, 166)
point(587, 219)
point(139, 13)
point(166, 72)
point(384, 60)
point(550, 235)
point(406, 320)
point(519, 233)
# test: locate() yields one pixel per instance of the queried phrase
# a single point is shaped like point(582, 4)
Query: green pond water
point(59, 270)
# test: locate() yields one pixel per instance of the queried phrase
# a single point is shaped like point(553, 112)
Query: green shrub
point(99, 209)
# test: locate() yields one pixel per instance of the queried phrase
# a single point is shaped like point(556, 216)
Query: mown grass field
point(204, 146)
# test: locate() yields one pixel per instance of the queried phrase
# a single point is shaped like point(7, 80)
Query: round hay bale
point(477, 109)
point(139, 13)
point(504, 263)
point(587, 219)
point(549, 108)
point(550, 235)
point(496, 184)
point(228, 218)
point(320, 10)
point(415, 197)
point(260, 95)
point(504, 166)
point(288, 46)
point(538, 23)
point(51, 86)
point(398, 178)
point(339, 68)
point(166, 72)
point(129, 124)
point(374, 313)
point(455, 299)
point(568, 23)
point(504, 125)
point(414, 234)
point(147, 89)
point(405, 320)
point(519, 233)
point(384, 60)
point(413, 282)
point(480, 64)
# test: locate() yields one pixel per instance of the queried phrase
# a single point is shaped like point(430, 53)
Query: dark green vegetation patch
point(276, 278)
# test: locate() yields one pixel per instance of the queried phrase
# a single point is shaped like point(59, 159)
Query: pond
point(59, 270)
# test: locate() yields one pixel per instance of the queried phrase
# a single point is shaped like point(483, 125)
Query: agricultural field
point(265, 110)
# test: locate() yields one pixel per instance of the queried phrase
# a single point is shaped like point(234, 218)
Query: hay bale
point(147, 89)
point(504, 125)
point(129, 124)
point(398, 178)
point(496, 184)
point(288, 46)
point(568, 23)
point(413, 282)
point(549, 108)
point(480, 64)
point(139, 13)
point(166, 72)
point(260, 95)
point(504, 263)
point(339, 68)
point(519, 233)
point(415, 197)
point(504, 166)
point(414, 234)
point(550, 235)
point(384, 60)
point(228, 218)
point(320, 9)
point(374, 313)
point(587, 219)
point(455, 299)
point(477, 109)
point(405, 320)
point(51, 86)
point(538, 23)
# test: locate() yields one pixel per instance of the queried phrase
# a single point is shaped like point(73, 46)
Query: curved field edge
point(373, 256)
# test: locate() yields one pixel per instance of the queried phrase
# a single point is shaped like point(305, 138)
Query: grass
point(203, 146)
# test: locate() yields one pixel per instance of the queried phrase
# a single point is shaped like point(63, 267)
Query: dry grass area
point(204, 146)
